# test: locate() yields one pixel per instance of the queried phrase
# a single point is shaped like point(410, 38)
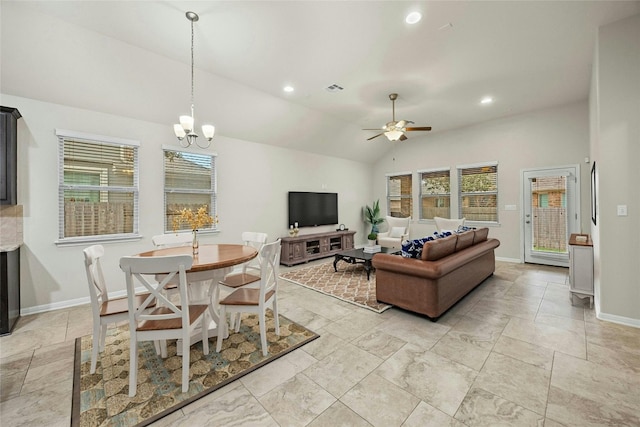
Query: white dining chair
point(170, 240)
point(250, 300)
point(247, 275)
point(168, 320)
point(104, 310)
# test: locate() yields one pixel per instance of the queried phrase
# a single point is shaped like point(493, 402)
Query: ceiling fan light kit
point(394, 130)
point(185, 130)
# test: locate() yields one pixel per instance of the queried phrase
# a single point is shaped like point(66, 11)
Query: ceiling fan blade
point(418, 128)
point(378, 129)
point(403, 137)
point(369, 139)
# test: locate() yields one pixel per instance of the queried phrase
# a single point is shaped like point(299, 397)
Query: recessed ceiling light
point(413, 18)
point(486, 100)
point(288, 89)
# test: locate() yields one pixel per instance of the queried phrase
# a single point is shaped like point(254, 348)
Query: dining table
point(210, 265)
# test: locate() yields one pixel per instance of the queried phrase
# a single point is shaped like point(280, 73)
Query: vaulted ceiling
point(132, 58)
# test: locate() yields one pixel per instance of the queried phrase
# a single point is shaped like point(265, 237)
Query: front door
point(550, 214)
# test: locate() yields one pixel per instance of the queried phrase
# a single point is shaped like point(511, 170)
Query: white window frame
point(428, 195)
point(63, 135)
point(213, 191)
point(410, 196)
point(460, 168)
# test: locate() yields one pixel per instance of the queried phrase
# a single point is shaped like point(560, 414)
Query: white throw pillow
point(396, 232)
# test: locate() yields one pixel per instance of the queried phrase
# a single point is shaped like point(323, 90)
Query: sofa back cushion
point(465, 240)
point(480, 235)
point(439, 248)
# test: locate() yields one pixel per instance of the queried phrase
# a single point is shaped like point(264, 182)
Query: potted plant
point(372, 237)
point(372, 216)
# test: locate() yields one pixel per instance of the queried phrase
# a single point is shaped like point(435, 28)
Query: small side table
point(581, 266)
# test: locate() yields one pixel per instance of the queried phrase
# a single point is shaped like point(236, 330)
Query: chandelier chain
point(192, 73)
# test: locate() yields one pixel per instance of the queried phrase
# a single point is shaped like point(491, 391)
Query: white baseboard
point(69, 303)
point(513, 260)
point(626, 321)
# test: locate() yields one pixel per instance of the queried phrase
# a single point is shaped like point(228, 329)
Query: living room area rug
point(102, 399)
point(348, 284)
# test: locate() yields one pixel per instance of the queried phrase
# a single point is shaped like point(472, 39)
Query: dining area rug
point(102, 398)
point(348, 284)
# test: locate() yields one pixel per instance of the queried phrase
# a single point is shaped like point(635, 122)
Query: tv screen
point(313, 209)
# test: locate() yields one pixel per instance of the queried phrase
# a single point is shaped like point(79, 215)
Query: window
point(478, 192)
point(98, 187)
point(435, 193)
point(189, 183)
point(399, 200)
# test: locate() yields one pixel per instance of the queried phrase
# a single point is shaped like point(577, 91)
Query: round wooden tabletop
point(210, 257)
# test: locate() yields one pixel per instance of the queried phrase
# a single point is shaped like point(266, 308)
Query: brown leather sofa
point(448, 269)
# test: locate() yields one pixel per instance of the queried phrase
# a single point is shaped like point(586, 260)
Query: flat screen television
point(312, 209)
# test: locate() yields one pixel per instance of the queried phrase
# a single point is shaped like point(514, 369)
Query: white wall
point(253, 181)
point(615, 146)
point(551, 137)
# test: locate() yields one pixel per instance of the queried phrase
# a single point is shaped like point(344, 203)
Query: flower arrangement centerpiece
point(195, 220)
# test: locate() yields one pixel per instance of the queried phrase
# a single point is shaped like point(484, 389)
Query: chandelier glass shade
point(393, 135)
point(185, 130)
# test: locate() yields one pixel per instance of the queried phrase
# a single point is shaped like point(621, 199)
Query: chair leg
point(186, 341)
point(103, 336)
point(276, 317)
point(94, 350)
point(133, 365)
point(237, 320)
point(263, 333)
point(163, 349)
point(205, 333)
point(222, 324)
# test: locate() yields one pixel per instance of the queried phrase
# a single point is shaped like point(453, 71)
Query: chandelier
point(185, 130)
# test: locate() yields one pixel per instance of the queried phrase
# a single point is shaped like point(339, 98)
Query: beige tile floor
point(514, 352)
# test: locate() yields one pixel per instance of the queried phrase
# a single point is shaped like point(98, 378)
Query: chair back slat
point(136, 268)
point(270, 262)
point(95, 278)
point(256, 240)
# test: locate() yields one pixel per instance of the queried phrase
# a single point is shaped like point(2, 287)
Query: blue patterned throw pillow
point(464, 228)
point(441, 235)
point(413, 248)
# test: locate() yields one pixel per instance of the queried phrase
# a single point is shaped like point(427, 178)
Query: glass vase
point(194, 243)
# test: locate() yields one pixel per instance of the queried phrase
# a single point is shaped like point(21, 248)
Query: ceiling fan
point(393, 130)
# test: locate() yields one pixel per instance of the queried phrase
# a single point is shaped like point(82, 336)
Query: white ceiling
point(527, 55)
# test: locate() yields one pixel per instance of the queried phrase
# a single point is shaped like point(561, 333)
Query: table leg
point(367, 268)
point(203, 292)
point(335, 263)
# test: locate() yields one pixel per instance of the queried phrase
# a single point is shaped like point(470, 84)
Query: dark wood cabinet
point(8, 155)
point(9, 290)
point(10, 255)
point(300, 249)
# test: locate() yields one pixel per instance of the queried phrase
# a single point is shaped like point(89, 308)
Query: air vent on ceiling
point(334, 88)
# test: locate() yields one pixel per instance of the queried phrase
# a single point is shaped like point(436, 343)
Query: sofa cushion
point(465, 240)
point(439, 248)
point(480, 235)
point(413, 248)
